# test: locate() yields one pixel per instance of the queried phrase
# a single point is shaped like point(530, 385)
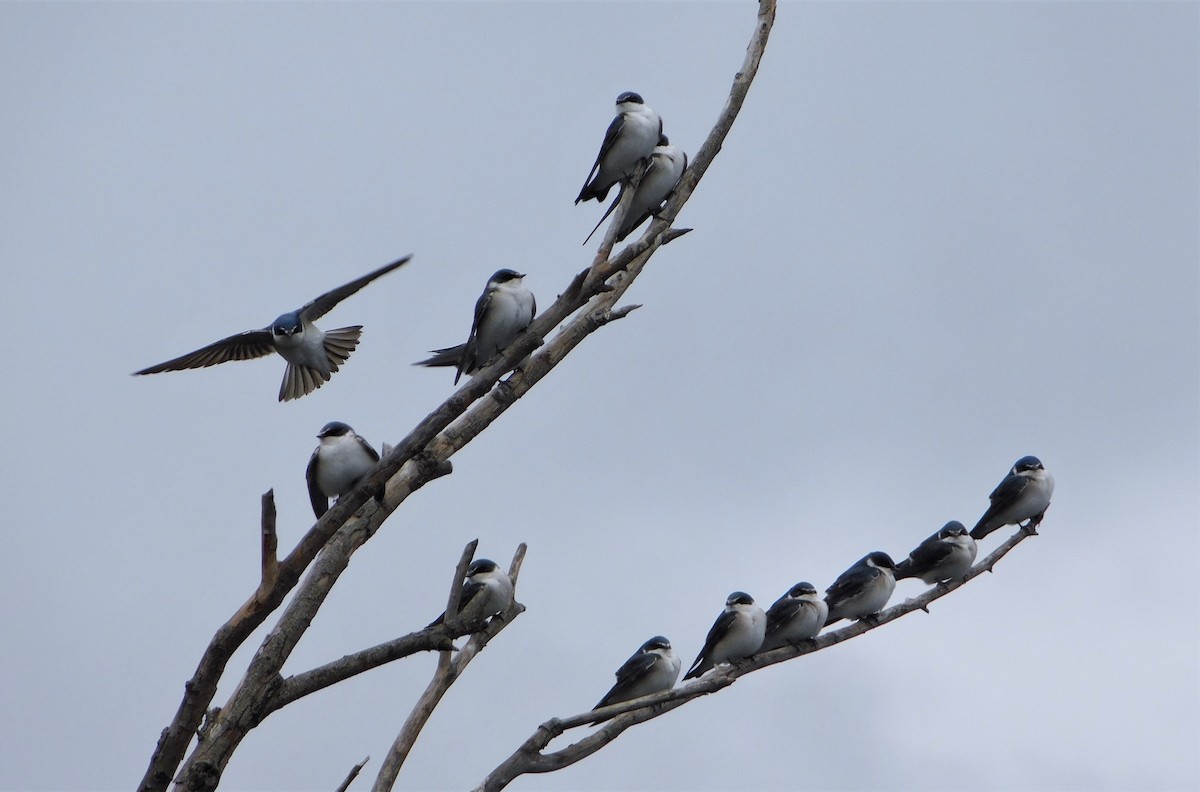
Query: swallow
point(339, 462)
point(737, 633)
point(487, 583)
point(1024, 494)
point(863, 589)
point(947, 555)
point(631, 138)
point(502, 312)
point(667, 164)
point(796, 616)
point(312, 355)
point(653, 668)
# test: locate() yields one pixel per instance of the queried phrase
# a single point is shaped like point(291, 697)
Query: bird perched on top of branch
point(337, 464)
point(1024, 494)
point(796, 616)
point(863, 589)
point(667, 164)
point(488, 583)
point(653, 668)
point(502, 312)
point(737, 633)
point(947, 555)
point(631, 138)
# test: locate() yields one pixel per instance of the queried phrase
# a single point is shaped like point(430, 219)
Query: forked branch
point(444, 676)
point(415, 460)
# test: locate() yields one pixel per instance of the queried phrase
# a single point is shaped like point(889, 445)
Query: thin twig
point(456, 587)
point(354, 771)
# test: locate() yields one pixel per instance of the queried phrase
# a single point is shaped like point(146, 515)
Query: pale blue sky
point(940, 237)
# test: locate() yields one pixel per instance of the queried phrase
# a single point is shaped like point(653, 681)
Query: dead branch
point(414, 461)
point(354, 771)
point(270, 563)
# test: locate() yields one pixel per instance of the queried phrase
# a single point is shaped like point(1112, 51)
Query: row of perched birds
point(502, 312)
point(861, 592)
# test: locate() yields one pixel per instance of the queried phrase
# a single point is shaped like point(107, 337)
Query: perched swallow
point(484, 579)
point(863, 589)
point(667, 164)
point(737, 633)
point(502, 312)
point(796, 616)
point(630, 138)
point(312, 354)
point(947, 555)
point(1024, 494)
point(653, 668)
point(337, 465)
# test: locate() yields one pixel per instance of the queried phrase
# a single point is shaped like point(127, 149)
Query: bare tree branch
point(528, 758)
point(270, 563)
point(418, 458)
point(354, 771)
point(447, 672)
point(435, 637)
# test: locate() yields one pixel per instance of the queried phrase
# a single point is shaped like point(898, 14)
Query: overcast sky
point(940, 237)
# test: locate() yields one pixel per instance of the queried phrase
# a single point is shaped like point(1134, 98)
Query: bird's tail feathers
point(591, 191)
point(300, 380)
point(982, 529)
point(699, 669)
point(607, 212)
point(450, 356)
point(340, 343)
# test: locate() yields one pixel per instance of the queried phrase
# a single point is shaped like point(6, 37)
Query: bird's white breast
point(342, 463)
point(509, 312)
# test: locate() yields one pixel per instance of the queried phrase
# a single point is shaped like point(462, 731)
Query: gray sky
point(940, 237)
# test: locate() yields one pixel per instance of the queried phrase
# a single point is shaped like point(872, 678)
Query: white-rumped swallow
point(653, 668)
point(631, 138)
point(487, 580)
point(737, 633)
point(863, 589)
point(337, 465)
point(312, 354)
point(1024, 494)
point(947, 555)
point(502, 312)
point(796, 616)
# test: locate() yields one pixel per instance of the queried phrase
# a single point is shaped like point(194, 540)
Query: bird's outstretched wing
point(243, 346)
point(325, 303)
